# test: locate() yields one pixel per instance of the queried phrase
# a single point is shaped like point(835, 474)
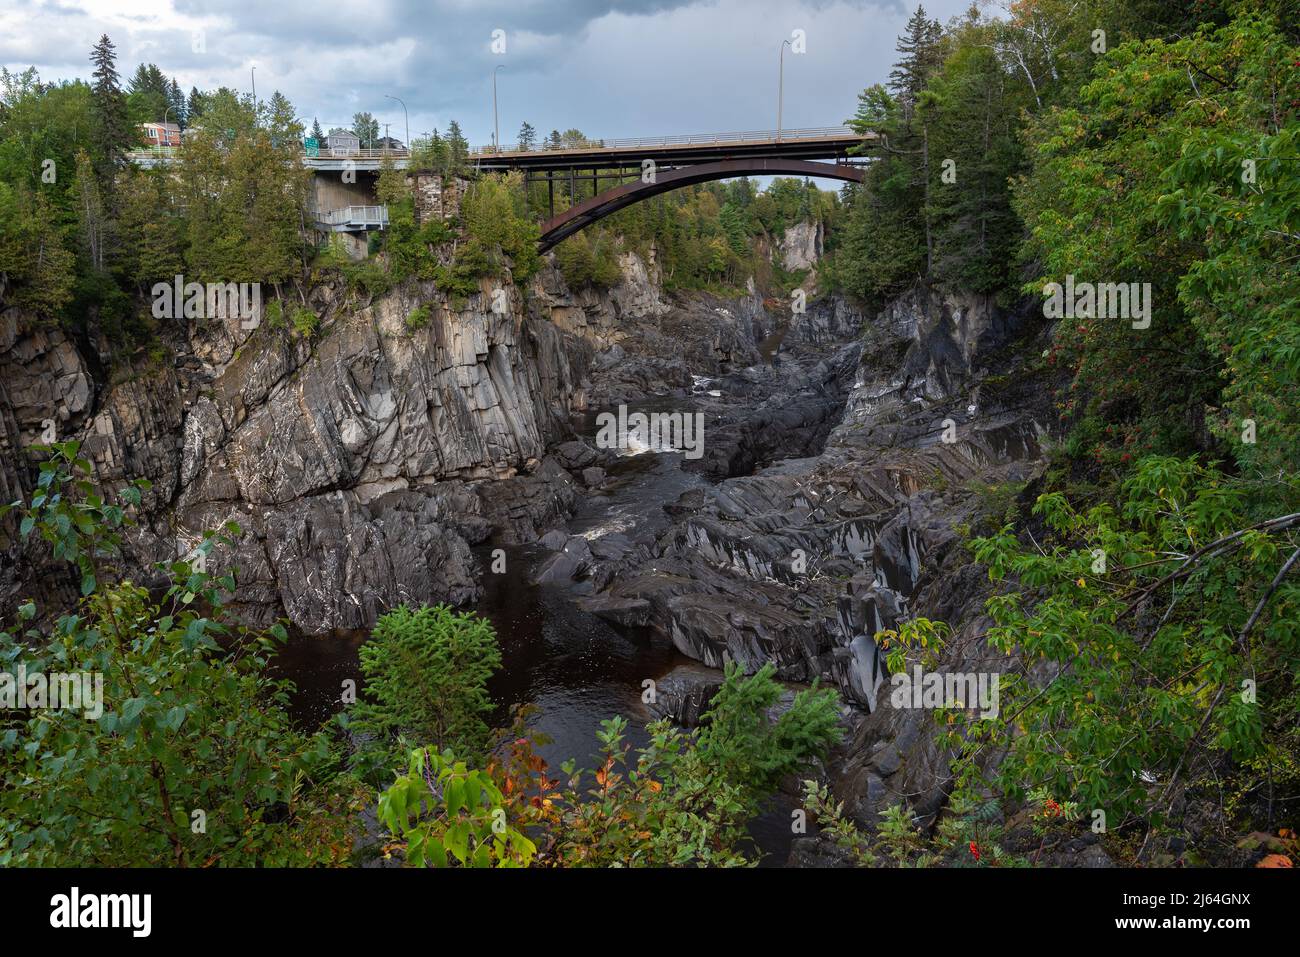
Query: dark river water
point(574, 668)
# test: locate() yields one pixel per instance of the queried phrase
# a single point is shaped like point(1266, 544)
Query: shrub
point(426, 672)
point(418, 318)
point(682, 799)
point(305, 322)
point(193, 760)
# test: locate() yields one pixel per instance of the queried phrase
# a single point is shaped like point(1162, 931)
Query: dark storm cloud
point(608, 67)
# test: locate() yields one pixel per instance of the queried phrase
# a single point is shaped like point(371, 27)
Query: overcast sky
point(611, 68)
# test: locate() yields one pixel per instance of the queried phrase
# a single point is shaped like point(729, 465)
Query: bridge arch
point(612, 200)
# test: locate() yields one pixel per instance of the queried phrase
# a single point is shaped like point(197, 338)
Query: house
point(162, 134)
point(389, 143)
point(342, 141)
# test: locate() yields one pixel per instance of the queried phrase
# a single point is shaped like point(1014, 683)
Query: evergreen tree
point(974, 106)
point(316, 132)
point(112, 135)
point(148, 95)
point(36, 269)
point(284, 126)
point(148, 247)
point(457, 147)
point(527, 137)
point(195, 105)
point(919, 50)
point(177, 100)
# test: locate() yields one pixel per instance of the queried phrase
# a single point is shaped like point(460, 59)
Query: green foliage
point(586, 262)
point(305, 322)
point(682, 799)
point(426, 672)
point(920, 635)
point(740, 744)
point(244, 190)
point(33, 256)
point(274, 315)
point(446, 814)
point(193, 760)
point(1150, 615)
point(965, 835)
point(498, 229)
point(418, 318)
point(83, 233)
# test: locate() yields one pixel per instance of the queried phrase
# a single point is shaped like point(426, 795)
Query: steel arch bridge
point(560, 227)
point(640, 168)
point(646, 167)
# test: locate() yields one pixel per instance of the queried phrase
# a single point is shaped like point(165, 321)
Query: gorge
point(374, 465)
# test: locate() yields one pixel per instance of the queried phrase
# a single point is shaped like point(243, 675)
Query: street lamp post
point(405, 114)
point(496, 123)
point(253, 73)
point(780, 89)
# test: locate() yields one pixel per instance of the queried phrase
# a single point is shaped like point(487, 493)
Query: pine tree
point(177, 100)
point(112, 135)
point(195, 105)
point(284, 126)
point(920, 52)
point(316, 132)
point(527, 137)
point(457, 147)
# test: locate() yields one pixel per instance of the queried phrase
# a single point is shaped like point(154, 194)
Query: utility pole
point(496, 124)
point(253, 73)
point(405, 114)
point(780, 88)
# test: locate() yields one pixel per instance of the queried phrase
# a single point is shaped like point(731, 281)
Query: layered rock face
point(843, 455)
point(363, 461)
point(360, 463)
point(838, 513)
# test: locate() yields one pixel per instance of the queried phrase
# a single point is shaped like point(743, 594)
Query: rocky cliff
point(363, 460)
point(844, 491)
point(844, 456)
point(360, 461)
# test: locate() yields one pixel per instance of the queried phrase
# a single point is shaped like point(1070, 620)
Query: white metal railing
point(640, 142)
point(324, 152)
point(157, 151)
point(689, 139)
point(355, 216)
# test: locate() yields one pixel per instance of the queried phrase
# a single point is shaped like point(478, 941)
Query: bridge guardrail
point(354, 214)
point(688, 139)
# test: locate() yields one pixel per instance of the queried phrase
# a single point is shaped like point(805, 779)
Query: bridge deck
point(820, 143)
point(824, 143)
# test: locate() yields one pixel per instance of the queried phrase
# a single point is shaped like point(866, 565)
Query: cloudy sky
point(611, 68)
